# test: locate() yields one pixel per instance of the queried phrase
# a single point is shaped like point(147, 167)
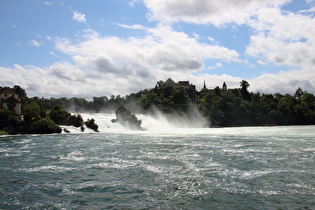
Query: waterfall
point(158, 121)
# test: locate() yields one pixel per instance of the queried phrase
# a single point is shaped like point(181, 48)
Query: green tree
point(160, 83)
point(32, 112)
point(20, 91)
point(298, 93)
point(59, 116)
point(42, 126)
point(244, 85)
point(180, 96)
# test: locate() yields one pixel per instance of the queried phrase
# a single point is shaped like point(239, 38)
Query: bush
point(32, 112)
point(14, 120)
point(3, 133)
point(4, 116)
point(43, 126)
point(59, 115)
point(9, 119)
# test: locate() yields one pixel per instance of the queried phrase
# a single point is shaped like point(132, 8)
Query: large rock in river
point(127, 119)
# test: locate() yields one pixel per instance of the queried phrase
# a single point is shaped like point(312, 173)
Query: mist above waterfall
point(159, 120)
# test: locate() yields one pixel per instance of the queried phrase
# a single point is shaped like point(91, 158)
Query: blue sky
point(93, 48)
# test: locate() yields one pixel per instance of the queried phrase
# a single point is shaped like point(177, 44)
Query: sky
point(81, 48)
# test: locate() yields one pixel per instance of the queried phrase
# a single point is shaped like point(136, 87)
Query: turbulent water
point(167, 166)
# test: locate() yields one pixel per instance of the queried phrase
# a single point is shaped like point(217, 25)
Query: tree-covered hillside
point(35, 119)
point(239, 107)
point(221, 106)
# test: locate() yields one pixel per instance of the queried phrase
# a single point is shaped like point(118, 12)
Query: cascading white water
point(103, 120)
point(149, 122)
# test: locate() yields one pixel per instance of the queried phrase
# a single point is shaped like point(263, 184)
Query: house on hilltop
point(9, 99)
point(170, 83)
point(185, 84)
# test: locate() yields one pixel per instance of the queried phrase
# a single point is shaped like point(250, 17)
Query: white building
point(9, 99)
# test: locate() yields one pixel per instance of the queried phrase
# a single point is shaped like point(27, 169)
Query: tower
point(224, 87)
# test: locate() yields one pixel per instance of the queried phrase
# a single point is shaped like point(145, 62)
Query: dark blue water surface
point(225, 168)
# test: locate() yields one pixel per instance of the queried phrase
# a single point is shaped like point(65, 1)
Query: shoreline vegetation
point(220, 107)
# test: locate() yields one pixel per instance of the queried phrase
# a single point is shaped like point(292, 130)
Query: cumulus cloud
point(284, 82)
point(262, 62)
point(71, 80)
point(217, 65)
point(311, 10)
point(65, 79)
point(283, 39)
point(67, 72)
point(216, 12)
point(162, 48)
point(79, 17)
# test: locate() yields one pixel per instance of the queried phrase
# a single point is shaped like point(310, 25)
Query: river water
point(164, 167)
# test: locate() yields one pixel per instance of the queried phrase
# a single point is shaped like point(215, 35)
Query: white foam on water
point(50, 168)
point(74, 156)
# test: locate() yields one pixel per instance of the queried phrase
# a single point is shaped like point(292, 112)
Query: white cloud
point(283, 39)
point(284, 82)
point(217, 65)
point(136, 26)
point(262, 62)
point(216, 12)
point(63, 79)
point(211, 39)
point(79, 17)
point(112, 65)
point(36, 43)
point(162, 48)
point(67, 71)
point(308, 10)
point(132, 3)
point(47, 3)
